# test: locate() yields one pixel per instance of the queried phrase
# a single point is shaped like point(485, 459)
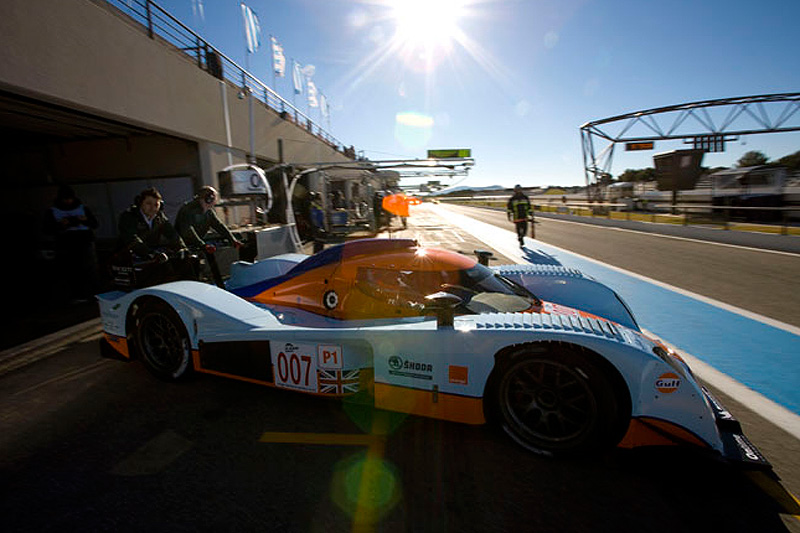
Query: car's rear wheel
point(556, 402)
point(162, 341)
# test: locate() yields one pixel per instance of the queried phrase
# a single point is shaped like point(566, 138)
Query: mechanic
point(146, 236)
point(316, 214)
point(519, 212)
point(194, 220)
point(72, 224)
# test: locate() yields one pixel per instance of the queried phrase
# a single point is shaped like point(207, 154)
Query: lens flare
point(365, 487)
point(412, 129)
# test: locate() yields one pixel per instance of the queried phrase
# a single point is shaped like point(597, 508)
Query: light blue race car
point(553, 357)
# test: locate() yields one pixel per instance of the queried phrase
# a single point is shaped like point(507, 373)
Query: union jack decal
point(338, 381)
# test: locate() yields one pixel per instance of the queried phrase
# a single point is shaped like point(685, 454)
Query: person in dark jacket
point(145, 229)
point(194, 220)
point(72, 224)
point(146, 235)
point(519, 212)
point(316, 214)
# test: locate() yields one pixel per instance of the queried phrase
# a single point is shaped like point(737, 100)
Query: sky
point(513, 80)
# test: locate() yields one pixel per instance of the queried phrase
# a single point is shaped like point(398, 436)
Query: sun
point(426, 29)
point(424, 35)
point(427, 23)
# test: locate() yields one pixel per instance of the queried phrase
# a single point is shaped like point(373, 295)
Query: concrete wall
point(85, 55)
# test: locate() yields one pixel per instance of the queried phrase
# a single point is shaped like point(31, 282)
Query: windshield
point(480, 289)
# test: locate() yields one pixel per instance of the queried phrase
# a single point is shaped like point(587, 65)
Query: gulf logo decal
point(668, 383)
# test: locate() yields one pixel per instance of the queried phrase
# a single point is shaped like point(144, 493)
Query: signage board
point(449, 153)
point(633, 147)
point(709, 143)
point(241, 182)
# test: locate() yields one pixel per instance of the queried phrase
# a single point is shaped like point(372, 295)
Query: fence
point(725, 217)
point(158, 23)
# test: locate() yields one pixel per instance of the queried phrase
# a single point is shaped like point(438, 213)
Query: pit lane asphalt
point(432, 230)
point(98, 445)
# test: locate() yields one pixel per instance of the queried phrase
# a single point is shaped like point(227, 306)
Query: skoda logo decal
point(395, 362)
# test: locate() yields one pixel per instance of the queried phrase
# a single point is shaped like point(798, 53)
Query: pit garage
point(44, 145)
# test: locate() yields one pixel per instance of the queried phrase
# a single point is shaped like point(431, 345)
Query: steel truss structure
point(451, 166)
point(707, 125)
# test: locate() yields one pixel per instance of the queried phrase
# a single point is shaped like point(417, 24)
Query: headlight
point(672, 359)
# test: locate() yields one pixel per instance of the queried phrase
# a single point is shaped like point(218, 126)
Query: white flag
point(197, 9)
point(297, 77)
point(312, 94)
point(323, 105)
point(278, 59)
point(252, 29)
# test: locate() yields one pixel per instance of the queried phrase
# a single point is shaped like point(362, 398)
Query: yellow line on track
point(332, 439)
point(364, 518)
point(775, 490)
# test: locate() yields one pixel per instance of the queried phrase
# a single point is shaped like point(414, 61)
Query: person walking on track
point(519, 212)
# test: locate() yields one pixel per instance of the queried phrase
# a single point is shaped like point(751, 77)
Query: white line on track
point(699, 297)
point(766, 408)
point(676, 237)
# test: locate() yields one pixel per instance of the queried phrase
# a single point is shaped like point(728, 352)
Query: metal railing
point(726, 217)
point(159, 24)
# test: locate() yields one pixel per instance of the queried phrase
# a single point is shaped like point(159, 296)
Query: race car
point(551, 356)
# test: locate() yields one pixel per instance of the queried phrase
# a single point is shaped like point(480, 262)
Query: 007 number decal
point(296, 366)
point(290, 368)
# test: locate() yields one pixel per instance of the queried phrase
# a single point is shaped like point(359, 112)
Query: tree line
point(749, 159)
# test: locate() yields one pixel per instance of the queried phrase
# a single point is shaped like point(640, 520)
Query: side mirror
point(483, 256)
point(443, 304)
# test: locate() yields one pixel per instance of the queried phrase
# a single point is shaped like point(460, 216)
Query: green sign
point(446, 154)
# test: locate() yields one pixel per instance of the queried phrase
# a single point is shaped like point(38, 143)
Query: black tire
point(161, 341)
point(554, 403)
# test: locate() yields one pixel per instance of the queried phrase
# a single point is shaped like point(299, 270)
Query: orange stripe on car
point(120, 344)
point(646, 431)
point(430, 403)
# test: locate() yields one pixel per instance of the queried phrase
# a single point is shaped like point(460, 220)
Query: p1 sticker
point(330, 357)
point(668, 383)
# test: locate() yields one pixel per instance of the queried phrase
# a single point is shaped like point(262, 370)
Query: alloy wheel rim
point(548, 402)
point(162, 342)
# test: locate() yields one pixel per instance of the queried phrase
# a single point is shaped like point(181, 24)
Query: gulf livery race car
point(555, 358)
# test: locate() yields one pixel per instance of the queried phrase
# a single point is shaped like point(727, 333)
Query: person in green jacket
point(519, 212)
point(194, 220)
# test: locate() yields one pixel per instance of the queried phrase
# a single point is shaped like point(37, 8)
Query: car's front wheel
point(556, 402)
point(162, 341)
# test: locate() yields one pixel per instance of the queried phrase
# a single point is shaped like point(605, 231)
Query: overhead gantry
point(706, 125)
